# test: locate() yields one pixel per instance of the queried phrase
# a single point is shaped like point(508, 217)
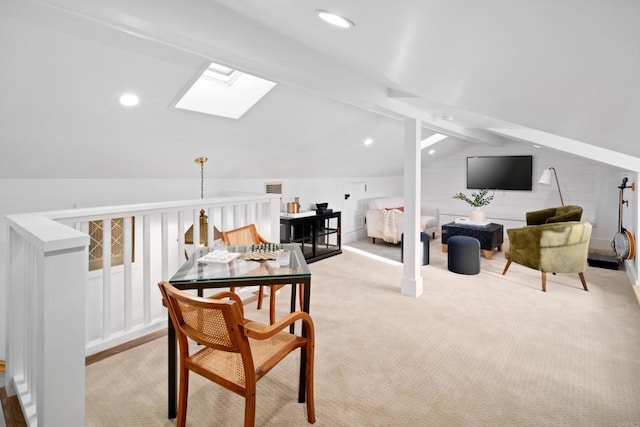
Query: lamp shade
point(545, 177)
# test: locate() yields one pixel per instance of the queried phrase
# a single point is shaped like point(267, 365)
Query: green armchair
point(560, 214)
point(550, 248)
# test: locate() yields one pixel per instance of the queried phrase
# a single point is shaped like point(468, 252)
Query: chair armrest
point(280, 325)
point(524, 245)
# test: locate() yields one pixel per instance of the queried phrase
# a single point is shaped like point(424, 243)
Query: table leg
point(303, 355)
point(292, 327)
point(172, 380)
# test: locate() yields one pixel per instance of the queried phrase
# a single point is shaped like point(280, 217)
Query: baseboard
point(101, 355)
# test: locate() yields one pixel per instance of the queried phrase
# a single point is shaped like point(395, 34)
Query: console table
point(491, 236)
point(318, 235)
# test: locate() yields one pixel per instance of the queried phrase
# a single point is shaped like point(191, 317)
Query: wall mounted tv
point(500, 172)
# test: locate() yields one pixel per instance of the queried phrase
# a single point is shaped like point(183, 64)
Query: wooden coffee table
point(490, 236)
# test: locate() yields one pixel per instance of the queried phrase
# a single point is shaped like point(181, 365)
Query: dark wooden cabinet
point(318, 235)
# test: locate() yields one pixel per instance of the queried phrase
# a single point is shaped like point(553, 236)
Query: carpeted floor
point(483, 350)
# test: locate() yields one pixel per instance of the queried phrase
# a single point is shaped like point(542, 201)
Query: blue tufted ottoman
point(463, 255)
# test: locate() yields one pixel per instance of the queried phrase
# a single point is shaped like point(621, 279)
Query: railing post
point(62, 330)
point(47, 280)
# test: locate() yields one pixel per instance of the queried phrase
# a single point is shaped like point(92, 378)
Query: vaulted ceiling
point(563, 75)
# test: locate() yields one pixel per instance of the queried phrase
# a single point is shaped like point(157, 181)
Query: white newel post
point(411, 283)
point(46, 320)
point(62, 359)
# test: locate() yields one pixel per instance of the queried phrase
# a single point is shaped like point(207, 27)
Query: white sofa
point(429, 218)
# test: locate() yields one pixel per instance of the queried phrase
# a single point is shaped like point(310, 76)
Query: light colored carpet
point(483, 350)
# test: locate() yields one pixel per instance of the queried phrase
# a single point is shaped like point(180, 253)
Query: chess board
point(262, 252)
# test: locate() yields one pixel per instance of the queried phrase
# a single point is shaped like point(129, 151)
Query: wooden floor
point(11, 410)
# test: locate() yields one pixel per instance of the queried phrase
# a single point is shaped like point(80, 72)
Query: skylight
point(224, 91)
point(436, 137)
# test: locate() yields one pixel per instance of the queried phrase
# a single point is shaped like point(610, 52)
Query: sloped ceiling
point(566, 74)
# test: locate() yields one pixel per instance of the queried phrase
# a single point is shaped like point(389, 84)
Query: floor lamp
point(545, 179)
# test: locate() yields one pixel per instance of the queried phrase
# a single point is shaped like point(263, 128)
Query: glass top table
point(234, 272)
point(202, 272)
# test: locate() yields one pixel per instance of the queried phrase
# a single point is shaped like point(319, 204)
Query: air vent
point(273, 188)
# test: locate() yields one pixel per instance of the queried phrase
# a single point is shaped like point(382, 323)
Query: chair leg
point(260, 296)
point(250, 409)
point(584, 282)
point(506, 267)
point(311, 410)
point(183, 394)
point(374, 240)
point(544, 281)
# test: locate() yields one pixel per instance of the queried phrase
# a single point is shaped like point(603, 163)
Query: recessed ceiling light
point(446, 118)
point(368, 141)
point(129, 100)
point(432, 151)
point(536, 146)
point(333, 19)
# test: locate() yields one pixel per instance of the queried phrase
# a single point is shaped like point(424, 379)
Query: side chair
point(248, 235)
point(237, 352)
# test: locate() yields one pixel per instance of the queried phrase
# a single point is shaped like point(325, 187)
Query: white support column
point(411, 284)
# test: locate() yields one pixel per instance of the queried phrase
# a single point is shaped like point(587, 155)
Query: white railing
point(58, 312)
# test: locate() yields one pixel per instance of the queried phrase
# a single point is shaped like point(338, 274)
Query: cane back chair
point(234, 352)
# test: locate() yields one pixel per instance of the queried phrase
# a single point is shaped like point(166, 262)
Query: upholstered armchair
point(550, 248)
point(560, 214)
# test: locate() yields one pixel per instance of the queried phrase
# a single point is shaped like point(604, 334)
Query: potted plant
point(477, 200)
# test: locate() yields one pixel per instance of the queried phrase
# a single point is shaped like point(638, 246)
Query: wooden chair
point(248, 235)
point(237, 352)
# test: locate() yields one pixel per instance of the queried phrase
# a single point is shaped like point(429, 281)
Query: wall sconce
point(545, 179)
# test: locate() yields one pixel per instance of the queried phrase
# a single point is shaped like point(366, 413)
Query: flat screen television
point(500, 172)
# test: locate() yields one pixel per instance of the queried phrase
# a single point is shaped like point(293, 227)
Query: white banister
point(59, 312)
